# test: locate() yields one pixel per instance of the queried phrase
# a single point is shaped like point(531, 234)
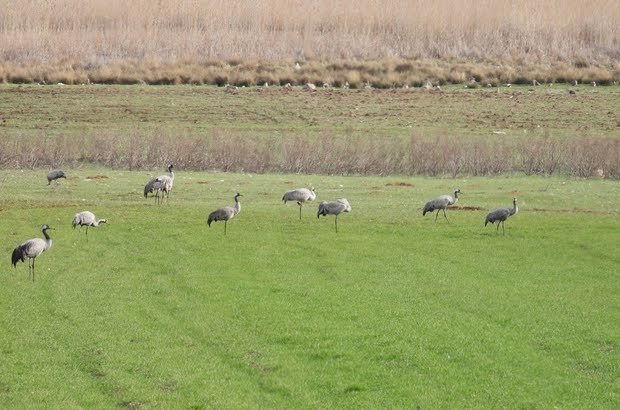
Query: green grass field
point(157, 310)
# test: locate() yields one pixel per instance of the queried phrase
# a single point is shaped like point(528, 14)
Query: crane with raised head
point(441, 204)
point(225, 214)
point(500, 215)
point(32, 248)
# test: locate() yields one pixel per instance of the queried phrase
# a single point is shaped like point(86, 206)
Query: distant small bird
point(86, 218)
point(501, 214)
point(161, 185)
point(54, 175)
point(300, 195)
point(31, 249)
point(334, 208)
point(226, 213)
point(441, 203)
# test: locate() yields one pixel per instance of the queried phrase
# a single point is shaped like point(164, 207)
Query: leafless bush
point(436, 155)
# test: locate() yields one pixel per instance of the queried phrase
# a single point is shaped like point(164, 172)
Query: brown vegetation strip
point(433, 156)
point(384, 43)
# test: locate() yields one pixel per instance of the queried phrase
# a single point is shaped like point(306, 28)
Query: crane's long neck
point(48, 239)
point(456, 197)
point(171, 174)
point(237, 205)
point(100, 221)
point(515, 208)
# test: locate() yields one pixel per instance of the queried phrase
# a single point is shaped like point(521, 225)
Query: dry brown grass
point(241, 42)
point(438, 155)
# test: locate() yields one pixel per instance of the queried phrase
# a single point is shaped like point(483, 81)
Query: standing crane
point(160, 185)
point(226, 213)
point(441, 203)
point(31, 249)
point(334, 208)
point(55, 175)
point(300, 195)
point(86, 218)
point(501, 214)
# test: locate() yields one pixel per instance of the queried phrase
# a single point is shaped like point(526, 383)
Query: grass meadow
point(157, 310)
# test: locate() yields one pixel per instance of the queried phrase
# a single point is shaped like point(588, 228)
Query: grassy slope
point(32, 110)
point(395, 310)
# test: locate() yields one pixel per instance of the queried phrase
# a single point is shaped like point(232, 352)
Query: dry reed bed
point(326, 154)
point(396, 41)
point(385, 73)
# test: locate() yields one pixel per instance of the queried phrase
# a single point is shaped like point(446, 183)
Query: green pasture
point(157, 310)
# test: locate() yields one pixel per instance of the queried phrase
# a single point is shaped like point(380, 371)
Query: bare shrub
point(434, 155)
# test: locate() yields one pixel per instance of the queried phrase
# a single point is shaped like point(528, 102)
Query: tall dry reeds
point(438, 155)
point(171, 41)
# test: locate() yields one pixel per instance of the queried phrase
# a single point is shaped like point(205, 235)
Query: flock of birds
point(161, 187)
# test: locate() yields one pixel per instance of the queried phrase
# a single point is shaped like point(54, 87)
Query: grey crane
point(31, 249)
point(161, 185)
point(55, 175)
point(501, 214)
point(226, 213)
point(441, 203)
point(300, 195)
point(334, 208)
point(86, 218)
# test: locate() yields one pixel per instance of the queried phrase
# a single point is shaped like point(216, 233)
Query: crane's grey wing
point(151, 186)
point(32, 247)
point(220, 214)
point(55, 174)
point(497, 215)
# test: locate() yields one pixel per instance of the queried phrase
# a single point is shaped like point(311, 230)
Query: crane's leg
point(225, 223)
point(436, 215)
point(503, 229)
point(33, 269)
point(299, 203)
point(336, 223)
point(497, 229)
point(444, 214)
